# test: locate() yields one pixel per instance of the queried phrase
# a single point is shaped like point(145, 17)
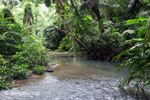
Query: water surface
point(73, 79)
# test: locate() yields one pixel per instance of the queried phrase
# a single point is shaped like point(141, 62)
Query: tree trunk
point(1, 3)
point(93, 6)
point(99, 18)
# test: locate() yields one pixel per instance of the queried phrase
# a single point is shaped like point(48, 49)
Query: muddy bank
point(61, 54)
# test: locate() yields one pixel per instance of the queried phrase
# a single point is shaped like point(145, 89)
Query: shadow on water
point(73, 79)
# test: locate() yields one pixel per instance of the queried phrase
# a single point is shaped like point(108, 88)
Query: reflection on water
point(79, 67)
point(73, 79)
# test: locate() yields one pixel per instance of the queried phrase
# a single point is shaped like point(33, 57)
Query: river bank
point(61, 54)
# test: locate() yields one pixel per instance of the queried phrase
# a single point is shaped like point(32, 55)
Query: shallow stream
point(73, 79)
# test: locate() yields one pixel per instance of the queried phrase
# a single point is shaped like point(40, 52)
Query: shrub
point(137, 61)
point(4, 73)
point(39, 69)
point(34, 50)
point(20, 58)
point(65, 44)
point(53, 36)
point(3, 84)
point(20, 71)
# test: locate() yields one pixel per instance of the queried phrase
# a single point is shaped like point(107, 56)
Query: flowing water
point(73, 79)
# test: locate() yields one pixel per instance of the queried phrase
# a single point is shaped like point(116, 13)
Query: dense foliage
point(137, 57)
point(91, 28)
point(21, 51)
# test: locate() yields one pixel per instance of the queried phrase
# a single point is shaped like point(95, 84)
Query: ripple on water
point(50, 88)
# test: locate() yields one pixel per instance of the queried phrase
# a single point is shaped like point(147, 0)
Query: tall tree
point(28, 17)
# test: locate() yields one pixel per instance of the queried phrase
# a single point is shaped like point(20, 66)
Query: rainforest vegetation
point(117, 30)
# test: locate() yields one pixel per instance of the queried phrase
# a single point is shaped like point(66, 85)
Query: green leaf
point(136, 21)
point(132, 41)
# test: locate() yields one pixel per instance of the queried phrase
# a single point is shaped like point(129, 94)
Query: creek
point(73, 79)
